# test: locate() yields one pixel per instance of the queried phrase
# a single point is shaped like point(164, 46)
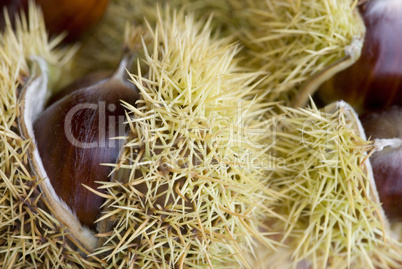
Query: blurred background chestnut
point(73, 16)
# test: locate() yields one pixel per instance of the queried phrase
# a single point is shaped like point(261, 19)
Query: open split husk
point(334, 216)
point(31, 237)
point(33, 97)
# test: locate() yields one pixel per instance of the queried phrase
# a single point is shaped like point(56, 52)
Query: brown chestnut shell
point(75, 136)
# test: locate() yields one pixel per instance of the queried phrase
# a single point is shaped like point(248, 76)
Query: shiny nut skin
point(387, 163)
point(74, 137)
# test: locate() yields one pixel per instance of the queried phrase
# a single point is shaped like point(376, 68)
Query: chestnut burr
point(75, 136)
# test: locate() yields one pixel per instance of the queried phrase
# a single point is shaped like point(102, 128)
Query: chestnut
point(374, 81)
point(75, 136)
point(385, 128)
point(72, 16)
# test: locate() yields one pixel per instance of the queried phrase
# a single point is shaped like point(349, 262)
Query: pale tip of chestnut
point(376, 9)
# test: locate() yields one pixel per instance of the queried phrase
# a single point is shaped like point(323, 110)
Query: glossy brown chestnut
point(71, 16)
point(387, 163)
point(74, 137)
point(375, 80)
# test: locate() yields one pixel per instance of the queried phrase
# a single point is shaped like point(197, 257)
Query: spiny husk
point(191, 196)
point(30, 237)
point(293, 40)
point(325, 199)
point(334, 218)
point(288, 41)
